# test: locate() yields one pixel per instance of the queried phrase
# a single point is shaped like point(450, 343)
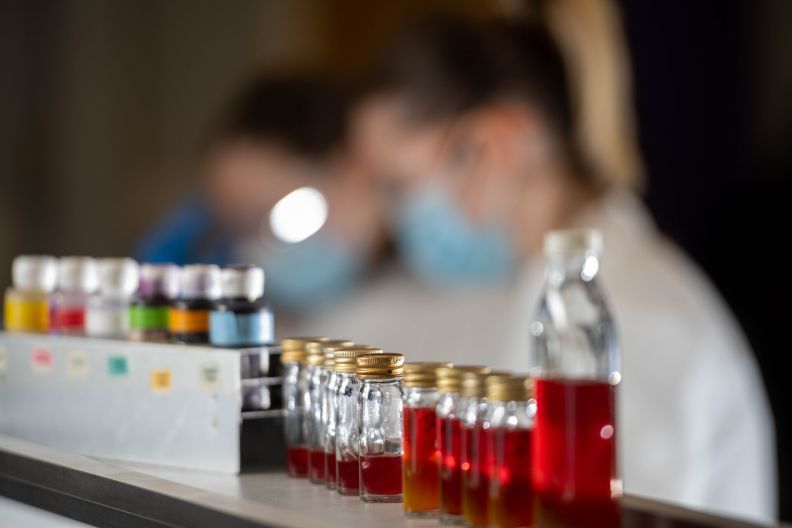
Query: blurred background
point(104, 105)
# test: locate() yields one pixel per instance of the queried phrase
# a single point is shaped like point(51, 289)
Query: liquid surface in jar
point(421, 461)
point(297, 461)
point(449, 440)
point(381, 475)
point(476, 469)
point(574, 453)
point(511, 499)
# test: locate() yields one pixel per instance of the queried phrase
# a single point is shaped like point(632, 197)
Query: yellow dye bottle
point(26, 305)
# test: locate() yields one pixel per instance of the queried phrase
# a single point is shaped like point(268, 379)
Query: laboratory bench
point(121, 494)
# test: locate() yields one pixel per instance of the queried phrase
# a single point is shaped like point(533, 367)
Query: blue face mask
point(441, 245)
point(307, 275)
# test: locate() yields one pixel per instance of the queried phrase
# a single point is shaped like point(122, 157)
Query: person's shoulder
point(653, 284)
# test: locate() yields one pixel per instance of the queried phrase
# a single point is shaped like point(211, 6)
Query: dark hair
point(443, 65)
point(303, 113)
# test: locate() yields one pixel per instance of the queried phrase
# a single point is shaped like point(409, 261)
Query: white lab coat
point(694, 422)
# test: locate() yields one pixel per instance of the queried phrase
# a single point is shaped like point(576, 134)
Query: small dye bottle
point(421, 458)
point(381, 426)
point(107, 315)
point(577, 372)
point(348, 419)
point(295, 387)
point(317, 406)
point(26, 305)
point(511, 415)
point(149, 310)
point(199, 289)
point(241, 318)
point(449, 439)
point(77, 279)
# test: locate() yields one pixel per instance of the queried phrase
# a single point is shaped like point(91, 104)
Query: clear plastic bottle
point(241, 318)
point(381, 427)
point(77, 280)
point(577, 369)
point(26, 305)
point(107, 314)
point(150, 309)
point(510, 417)
point(348, 419)
point(449, 439)
point(199, 287)
point(421, 458)
point(295, 386)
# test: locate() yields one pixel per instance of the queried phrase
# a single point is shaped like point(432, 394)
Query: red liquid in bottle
point(63, 321)
point(476, 468)
point(450, 442)
point(330, 469)
point(381, 475)
point(348, 476)
point(316, 466)
point(421, 461)
point(511, 500)
point(297, 461)
point(575, 454)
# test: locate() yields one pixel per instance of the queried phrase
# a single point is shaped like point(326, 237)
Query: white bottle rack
point(161, 404)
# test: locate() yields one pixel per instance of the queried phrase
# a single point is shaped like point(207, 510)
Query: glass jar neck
point(381, 381)
point(579, 265)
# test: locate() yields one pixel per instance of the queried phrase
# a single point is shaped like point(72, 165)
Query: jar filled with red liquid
point(511, 415)
point(449, 439)
point(577, 370)
point(347, 418)
point(421, 457)
point(329, 389)
point(295, 387)
point(77, 280)
point(476, 448)
point(381, 432)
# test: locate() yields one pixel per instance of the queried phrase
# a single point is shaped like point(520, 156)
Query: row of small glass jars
point(344, 416)
point(453, 442)
point(467, 445)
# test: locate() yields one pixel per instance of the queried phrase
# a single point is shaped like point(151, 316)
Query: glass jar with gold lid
point(421, 457)
point(511, 414)
point(380, 441)
point(449, 439)
point(316, 403)
point(477, 451)
point(295, 387)
point(347, 419)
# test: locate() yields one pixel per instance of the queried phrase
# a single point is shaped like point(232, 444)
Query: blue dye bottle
point(241, 318)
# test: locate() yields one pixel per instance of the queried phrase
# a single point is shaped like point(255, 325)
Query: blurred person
point(483, 139)
point(278, 142)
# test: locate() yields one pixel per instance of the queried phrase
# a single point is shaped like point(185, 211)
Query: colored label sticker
point(77, 365)
point(41, 360)
point(210, 376)
point(161, 380)
point(3, 362)
point(117, 366)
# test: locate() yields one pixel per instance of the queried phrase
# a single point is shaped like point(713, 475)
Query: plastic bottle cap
point(77, 274)
point(200, 281)
point(117, 276)
point(159, 279)
point(35, 272)
point(242, 281)
point(573, 241)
